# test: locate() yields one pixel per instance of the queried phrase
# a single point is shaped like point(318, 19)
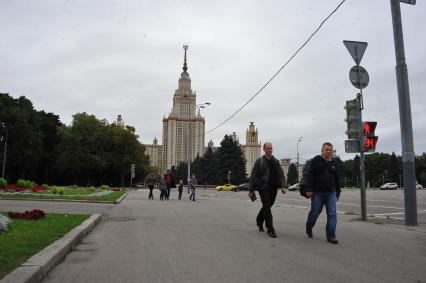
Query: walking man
point(323, 188)
point(192, 184)
point(150, 182)
point(169, 181)
point(266, 177)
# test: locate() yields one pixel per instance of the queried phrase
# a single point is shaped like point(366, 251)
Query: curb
point(121, 198)
point(37, 267)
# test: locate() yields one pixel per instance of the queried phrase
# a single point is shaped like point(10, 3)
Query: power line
point(286, 63)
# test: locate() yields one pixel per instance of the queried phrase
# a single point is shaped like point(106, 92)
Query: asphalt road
point(215, 239)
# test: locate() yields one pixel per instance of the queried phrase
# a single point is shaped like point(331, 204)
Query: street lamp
point(298, 173)
point(5, 131)
point(197, 106)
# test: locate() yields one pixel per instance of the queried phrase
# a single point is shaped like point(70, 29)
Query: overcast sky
point(125, 57)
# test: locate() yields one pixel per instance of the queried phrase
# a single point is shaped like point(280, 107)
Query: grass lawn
point(25, 238)
point(112, 196)
point(70, 194)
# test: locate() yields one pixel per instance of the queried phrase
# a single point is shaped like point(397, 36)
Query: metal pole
point(297, 150)
point(4, 154)
point(361, 159)
point(189, 161)
point(408, 166)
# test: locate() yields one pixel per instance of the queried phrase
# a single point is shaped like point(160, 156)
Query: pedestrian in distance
point(170, 181)
point(323, 188)
point(180, 189)
point(150, 181)
point(163, 189)
point(192, 184)
point(266, 177)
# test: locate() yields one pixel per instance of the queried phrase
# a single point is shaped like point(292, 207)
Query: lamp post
point(5, 131)
point(297, 149)
point(197, 106)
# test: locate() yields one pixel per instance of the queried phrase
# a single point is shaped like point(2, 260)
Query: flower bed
point(16, 188)
point(27, 215)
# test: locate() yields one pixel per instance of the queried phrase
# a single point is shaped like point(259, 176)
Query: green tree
point(393, 169)
point(292, 174)
point(230, 158)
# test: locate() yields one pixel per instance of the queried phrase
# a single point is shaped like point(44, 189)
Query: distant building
point(119, 122)
point(154, 151)
point(183, 128)
point(252, 148)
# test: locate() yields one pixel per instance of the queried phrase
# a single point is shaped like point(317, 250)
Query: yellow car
point(227, 187)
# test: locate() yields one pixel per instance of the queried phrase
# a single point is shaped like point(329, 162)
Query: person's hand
point(252, 196)
point(337, 197)
point(309, 194)
point(284, 190)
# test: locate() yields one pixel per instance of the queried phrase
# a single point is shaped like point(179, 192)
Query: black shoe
point(309, 232)
point(333, 241)
point(272, 234)
point(260, 228)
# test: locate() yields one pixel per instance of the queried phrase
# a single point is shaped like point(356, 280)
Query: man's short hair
point(266, 144)
point(327, 143)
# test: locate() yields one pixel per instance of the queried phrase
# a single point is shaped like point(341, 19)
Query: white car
point(389, 186)
point(294, 187)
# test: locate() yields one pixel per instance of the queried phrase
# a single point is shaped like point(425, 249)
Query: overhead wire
point(285, 64)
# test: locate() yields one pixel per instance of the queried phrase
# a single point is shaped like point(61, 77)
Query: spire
point(185, 67)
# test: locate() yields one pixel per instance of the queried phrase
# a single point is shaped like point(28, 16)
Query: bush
point(61, 191)
point(104, 187)
point(73, 187)
point(92, 189)
point(54, 190)
point(21, 183)
point(27, 215)
point(3, 182)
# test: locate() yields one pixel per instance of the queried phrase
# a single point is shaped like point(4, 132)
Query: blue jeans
point(318, 200)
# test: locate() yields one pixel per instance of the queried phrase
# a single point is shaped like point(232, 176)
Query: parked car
point(227, 187)
point(294, 187)
point(389, 186)
point(242, 187)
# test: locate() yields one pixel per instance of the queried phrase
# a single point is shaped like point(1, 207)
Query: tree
point(230, 158)
point(394, 169)
point(292, 174)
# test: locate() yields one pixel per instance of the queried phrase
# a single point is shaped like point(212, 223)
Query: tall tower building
point(252, 147)
point(183, 129)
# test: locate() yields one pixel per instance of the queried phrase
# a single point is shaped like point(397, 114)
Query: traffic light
point(353, 119)
point(369, 139)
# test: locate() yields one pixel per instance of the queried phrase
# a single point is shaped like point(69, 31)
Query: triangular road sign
point(356, 49)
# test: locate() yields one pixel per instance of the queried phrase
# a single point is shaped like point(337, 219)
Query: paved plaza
point(215, 239)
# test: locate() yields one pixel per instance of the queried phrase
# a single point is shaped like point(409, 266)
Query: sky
point(107, 58)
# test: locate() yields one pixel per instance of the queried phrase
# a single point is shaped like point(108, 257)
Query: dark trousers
point(151, 187)
point(168, 191)
point(180, 193)
point(267, 196)
point(163, 194)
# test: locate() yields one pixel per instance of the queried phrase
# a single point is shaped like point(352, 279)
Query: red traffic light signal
point(369, 139)
point(369, 128)
point(370, 142)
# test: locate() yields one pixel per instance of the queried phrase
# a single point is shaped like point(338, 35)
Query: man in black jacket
point(266, 177)
point(322, 186)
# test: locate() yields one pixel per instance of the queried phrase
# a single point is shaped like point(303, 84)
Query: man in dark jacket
point(170, 181)
point(266, 177)
point(322, 186)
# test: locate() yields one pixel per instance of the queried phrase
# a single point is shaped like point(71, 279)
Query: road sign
point(359, 77)
point(356, 49)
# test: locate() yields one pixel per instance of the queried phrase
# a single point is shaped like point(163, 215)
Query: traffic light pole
point(408, 165)
point(361, 162)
